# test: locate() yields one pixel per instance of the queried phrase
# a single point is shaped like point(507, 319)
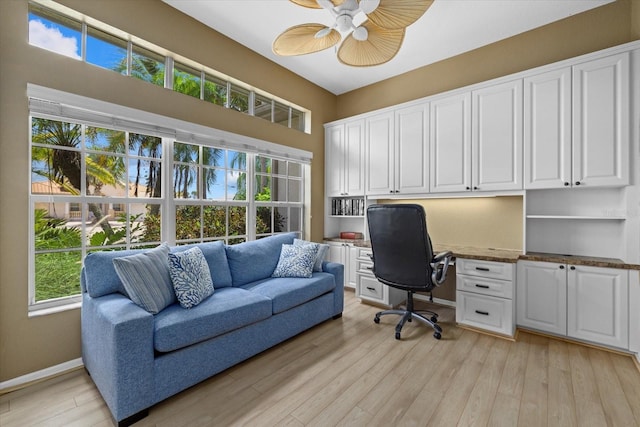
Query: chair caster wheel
point(376, 319)
point(437, 335)
point(397, 335)
point(434, 319)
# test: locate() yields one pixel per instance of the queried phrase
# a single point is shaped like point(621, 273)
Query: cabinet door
point(547, 130)
point(354, 160)
point(497, 137)
point(352, 262)
point(335, 253)
point(334, 160)
point(450, 144)
point(597, 305)
point(412, 150)
point(541, 296)
point(380, 154)
point(601, 122)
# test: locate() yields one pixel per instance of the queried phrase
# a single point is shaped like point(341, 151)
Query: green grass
point(57, 274)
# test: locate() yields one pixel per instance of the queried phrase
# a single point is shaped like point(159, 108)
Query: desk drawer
point(369, 288)
point(490, 269)
point(484, 312)
point(364, 267)
point(363, 253)
point(480, 285)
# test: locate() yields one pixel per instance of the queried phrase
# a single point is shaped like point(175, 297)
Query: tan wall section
point(485, 222)
point(31, 344)
point(635, 19)
point(594, 30)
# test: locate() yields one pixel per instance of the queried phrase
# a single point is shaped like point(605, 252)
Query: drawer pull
point(371, 289)
point(482, 286)
point(369, 268)
point(484, 313)
point(482, 269)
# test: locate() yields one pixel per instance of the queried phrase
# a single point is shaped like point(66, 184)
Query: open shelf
point(578, 217)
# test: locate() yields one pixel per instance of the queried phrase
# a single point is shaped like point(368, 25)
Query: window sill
point(35, 311)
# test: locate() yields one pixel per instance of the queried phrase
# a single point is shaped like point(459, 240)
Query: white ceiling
point(448, 28)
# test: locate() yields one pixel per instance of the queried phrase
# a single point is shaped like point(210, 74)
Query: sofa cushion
point(296, 261)
point(227, 309)
point(100, 273)
point(321, 254)
point(216, 256)
point(289, 292)
point(255, 260)
point(190, 276)
point(146, 279)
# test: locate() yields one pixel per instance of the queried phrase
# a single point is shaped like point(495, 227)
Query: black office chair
point(403, 258)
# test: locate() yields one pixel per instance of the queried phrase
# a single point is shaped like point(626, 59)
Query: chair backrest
point(401, 246)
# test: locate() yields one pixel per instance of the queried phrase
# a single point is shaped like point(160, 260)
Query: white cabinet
point(582, 302)
point(346, 254)
point(344, 159)
point(601, 121)
point(547, 130)
point(541, 296)
point(597, 305)
point(397, 151)
point(450, 148)
point(496, 139)
point(577, 125)
point(484, 295)
point(476, 140)
point(368, 288)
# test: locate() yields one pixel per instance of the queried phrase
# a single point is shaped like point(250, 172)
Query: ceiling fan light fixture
point(323, 32)
point(344, 23)
point(368, 6)
point(360, 34)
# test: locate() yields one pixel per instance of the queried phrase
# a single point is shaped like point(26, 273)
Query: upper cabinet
point(450, 165)
point(397, 152)
point(496, 137)
point(476, 140)
point(576, 130)
point(601, 121)
point(344, 159)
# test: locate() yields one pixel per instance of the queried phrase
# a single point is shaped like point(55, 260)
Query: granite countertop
point(512, 256)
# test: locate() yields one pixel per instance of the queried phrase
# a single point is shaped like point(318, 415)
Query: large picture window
point(110, 188)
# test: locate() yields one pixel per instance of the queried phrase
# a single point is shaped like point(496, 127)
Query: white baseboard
point(43, 374)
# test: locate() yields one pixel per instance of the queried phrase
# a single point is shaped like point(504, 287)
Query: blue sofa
point(138, 359)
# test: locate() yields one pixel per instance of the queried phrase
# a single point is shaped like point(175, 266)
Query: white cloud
point(52, 39)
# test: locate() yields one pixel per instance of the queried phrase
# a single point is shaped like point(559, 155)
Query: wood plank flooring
point(352, 372)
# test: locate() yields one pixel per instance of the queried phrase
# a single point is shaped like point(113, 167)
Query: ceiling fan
point(373, 30)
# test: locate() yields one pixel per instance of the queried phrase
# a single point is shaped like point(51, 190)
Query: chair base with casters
point(409, 314)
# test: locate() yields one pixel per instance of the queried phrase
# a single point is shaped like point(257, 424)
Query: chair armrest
point(439, 267)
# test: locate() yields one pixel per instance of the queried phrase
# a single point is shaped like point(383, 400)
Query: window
point(77, 173)
point(186, 80)
point(55, 32)
point(106, 51)
point(115, 178)
point(63, 30)
point(278, 195)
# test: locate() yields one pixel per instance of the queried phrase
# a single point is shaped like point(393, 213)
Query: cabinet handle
point(369, 268)
point(562, 267)
point(482, 286)
point(577, 182)
point(482, 269)
point(468, 188)
point(566, 184)
point(484, 313)
point(475, 188)
point(572, 267)
point(371, 289)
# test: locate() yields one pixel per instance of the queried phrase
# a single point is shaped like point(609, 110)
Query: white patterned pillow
point(190, 275)
point(322, 249)
point(296, 261)
point(146, 280)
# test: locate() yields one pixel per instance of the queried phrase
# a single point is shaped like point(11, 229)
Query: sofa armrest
point(337, 270)
point(118, 353)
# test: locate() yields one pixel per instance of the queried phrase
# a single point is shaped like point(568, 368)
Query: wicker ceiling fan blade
point(381, 46)
point(301, 39)
point(313, 4)
point(395, 14)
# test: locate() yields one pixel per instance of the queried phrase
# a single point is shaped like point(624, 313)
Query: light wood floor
point(352, 372)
